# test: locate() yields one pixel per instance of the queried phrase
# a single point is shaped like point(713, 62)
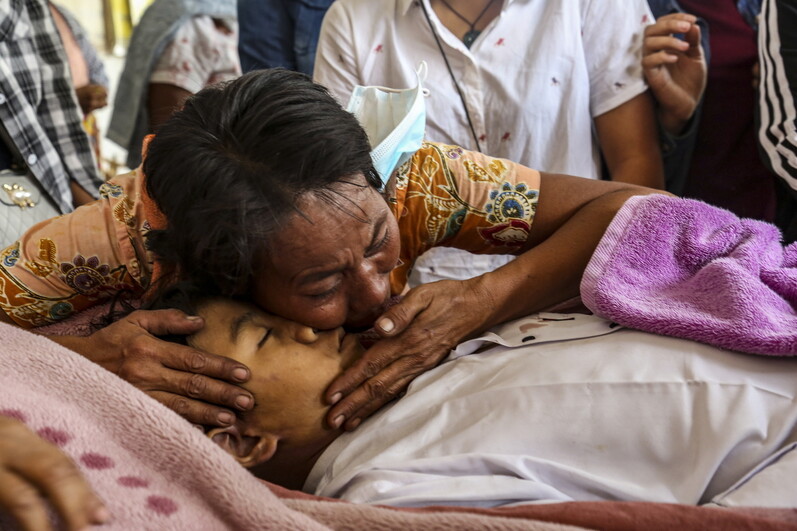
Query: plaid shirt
point(38, 105)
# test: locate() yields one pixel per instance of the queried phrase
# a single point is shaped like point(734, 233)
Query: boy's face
point(291, 364)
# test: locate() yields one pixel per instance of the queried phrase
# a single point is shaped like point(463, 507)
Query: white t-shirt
point(200, 54)
point(533, 80)
point(624, 416)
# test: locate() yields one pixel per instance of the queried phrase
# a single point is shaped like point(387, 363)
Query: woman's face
point(331, 266)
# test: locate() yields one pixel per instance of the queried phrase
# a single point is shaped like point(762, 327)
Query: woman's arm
point(629, 141)
point(76, 261)
point(571, 217)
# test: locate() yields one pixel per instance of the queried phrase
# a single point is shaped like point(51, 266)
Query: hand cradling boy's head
point(291, 364)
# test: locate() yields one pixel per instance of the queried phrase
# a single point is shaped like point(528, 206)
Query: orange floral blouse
point(443, 195)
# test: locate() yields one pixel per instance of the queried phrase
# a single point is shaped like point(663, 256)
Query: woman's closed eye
point(378, 246)
point(325, 294)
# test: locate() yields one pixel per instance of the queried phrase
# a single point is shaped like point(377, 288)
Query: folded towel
point(683, 268)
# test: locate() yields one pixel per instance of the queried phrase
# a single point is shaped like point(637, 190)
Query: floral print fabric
point(70, 263)
point(444, 195)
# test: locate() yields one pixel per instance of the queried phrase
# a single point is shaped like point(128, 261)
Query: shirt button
point(32, 158)
point(2, 99)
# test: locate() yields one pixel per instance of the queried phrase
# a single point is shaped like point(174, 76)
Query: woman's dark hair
point(228, 169)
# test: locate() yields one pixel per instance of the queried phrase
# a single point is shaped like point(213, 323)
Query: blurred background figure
point(280, 33)
point(178, 47)
point(88, 72)
point(43, 137)
point(726, 169)
point(777, 132)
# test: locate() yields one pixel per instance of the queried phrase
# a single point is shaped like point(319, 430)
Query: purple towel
point(683, 268)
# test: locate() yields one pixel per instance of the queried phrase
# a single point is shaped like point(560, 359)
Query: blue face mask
point(394, 121)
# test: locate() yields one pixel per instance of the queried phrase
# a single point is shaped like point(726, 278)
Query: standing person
point(522, 80)
point(541, 83)
point(280, 33)
point(675, 62)
point(726, 169)
point(40, 113)
point(178, 47)
point(777, 104)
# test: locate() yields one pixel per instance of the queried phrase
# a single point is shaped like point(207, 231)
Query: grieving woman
point(263, 188)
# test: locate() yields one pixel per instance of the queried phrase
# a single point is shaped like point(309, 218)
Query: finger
point(667, 42)
point(370, 364)
point(372, 395)
point(166, 322)
point(206, 389)
point(667, 27)
point(398, 317)
point(692, 37)
point(59, 479)
point(187, 359)
point(23, 503)
point(658, 59)
point(195, 411)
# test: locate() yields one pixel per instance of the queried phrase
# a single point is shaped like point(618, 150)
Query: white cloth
point(533, 79)
point(624, 416)
point(199, 55)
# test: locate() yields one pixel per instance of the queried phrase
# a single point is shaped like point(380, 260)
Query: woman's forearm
point(551, 271)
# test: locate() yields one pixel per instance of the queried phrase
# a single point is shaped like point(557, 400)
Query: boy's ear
point(248, 450)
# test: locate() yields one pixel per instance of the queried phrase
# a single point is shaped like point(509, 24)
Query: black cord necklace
point(451, 73)
point(472, 33)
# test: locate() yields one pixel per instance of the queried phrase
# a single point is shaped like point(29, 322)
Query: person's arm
point(675, 69)
point(32, 470)
point(335, 61)
point(185, 66)
point(629, 142)
point(81, 259)
point(162, 100)
point(571, 217)
point(91, 97)
point(79, 195)
point(621, 108)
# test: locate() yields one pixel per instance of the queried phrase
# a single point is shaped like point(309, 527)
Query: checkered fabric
point(38, 105)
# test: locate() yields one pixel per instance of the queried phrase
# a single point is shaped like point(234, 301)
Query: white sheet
point(623, 416)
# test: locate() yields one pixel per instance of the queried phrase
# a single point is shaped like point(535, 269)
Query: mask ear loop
point(451, 73)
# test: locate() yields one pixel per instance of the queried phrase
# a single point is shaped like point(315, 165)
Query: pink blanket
point(683, 268)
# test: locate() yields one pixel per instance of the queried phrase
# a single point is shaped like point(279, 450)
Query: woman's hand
point(92, 97)
point(184, 379)
point(675, 69)
point(32, 469)
point(418, 333)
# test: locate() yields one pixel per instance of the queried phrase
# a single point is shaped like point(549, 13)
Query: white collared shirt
point(558, 407)
point(533, 79)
